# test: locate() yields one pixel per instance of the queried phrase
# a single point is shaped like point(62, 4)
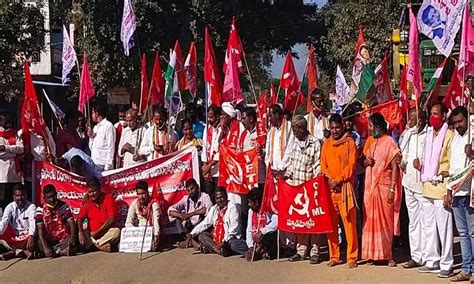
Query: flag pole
point(250, 77)
point(55, 114)
point(144, 233)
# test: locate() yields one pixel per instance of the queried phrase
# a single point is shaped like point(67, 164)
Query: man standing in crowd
point(210, 153)
point(145, 211)
point(437, 218)
point(225, 238)
point(119, 127)
point(191, 114)
point(460, 198)
point(68, 138)
point(189, 211)
point(338, 162)
point(57, 231)
point(82, 132)
point(100, 210)
point(279, 138)
point(261, 229)
point(317, 119)
point(412, 144)
point(11, 146)
point(102, 139)
point(302, 158)
point(132, 136)
point(159, 139)
point(18, 227)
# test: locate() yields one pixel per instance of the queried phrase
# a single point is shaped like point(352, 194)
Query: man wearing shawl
point(338, 161)
point(437, 218)
point(382, 193)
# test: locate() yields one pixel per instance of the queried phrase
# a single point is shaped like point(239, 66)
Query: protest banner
point(168, 173)
point(305, 208)
point(131, 239)
point(238, 171)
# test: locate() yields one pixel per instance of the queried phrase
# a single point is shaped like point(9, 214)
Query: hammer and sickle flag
point(238, 171)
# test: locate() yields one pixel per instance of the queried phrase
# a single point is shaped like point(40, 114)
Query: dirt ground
point(185, 266)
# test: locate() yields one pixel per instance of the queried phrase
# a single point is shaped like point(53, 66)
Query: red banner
point(305, 208)
point(238, 171)
point(168, 173)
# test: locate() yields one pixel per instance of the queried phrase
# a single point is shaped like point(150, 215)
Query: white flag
point(128, 26)
point(343, 91)
point(68, 56)
point(440, 21)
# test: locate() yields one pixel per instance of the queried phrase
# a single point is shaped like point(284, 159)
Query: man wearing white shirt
point(279, 137)
point(318, 122)
point(19, 218)
point(210, 153)
point(225, 238)
point(412, 184)
point(130, 141)
point(463, 213)
point(102, 139)
point(11, 146)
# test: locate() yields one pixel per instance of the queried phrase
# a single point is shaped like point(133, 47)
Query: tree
point(20, 28)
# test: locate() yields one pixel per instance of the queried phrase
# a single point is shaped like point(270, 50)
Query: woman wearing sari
point(382, 193)
point(188, 139)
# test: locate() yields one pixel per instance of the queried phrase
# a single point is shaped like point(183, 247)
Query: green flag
point(367, 79)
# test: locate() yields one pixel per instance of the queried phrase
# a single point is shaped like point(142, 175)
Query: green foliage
point(20, 28)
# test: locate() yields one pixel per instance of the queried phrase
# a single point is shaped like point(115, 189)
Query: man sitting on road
point(57, 231)
point(189, 211)
point(145, 211)
point(225, 238)
point(17, 228)
point(100, 213)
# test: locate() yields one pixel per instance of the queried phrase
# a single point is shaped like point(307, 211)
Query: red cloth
point(55, 220)
point(218, 232)
point(231, 139)
point(97, 214)
point(258, 222)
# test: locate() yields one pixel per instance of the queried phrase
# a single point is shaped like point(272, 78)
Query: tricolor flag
point(363, 74)
point(175, 67)
point(211, 73)
point(343, 91)
point(234, 45)
point(128, 27)
point(431, 91)
point(466, 53)
point(414, 67)
point(69, 57)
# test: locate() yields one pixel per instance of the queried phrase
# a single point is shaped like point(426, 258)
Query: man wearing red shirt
point(101, 213)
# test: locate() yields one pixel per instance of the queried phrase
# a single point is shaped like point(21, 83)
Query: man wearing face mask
point(132, 136)
point(459, 198)
point(437, 217)
point(159, 139)
point(317, 119)
point(119, 127)
point(412, 145)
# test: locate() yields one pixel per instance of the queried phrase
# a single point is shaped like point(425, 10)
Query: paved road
point(180, 266)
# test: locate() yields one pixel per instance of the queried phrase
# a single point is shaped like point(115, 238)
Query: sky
point(300, 49)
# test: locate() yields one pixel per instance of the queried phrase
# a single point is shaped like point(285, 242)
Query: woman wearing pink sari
point(381, 195)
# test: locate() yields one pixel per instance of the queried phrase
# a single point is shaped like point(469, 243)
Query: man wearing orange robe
point(338, 162)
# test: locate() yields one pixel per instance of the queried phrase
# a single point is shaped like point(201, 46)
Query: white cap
point(229, 109)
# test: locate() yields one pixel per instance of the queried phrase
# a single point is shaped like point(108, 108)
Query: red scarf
point(218, 232)
point(210, 132)
point(258, 222)
point(10, 136)
point(147, 211)
point(232, 137)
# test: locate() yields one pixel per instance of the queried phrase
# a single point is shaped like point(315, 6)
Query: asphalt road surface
point(185, 266)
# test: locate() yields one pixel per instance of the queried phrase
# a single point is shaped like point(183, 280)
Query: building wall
point(43, 66)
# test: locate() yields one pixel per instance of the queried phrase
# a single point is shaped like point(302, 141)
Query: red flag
point(414, 67)
point(454, 96)
point(144, 85)
point(306, 208)
point(86, 89)
point(390, 111)
point(238, 171)
point(190, 69)
point(269, 194)
point(211, 73)
point(273, 95)
point(31, 118)
point(157, 87)
point(404, 103)
point(231, 83)
point(312, 74)
point(466, 53)
point(179, 68)
point(290, 83)
point(382, 82)
point(234, 45)
point(262, 119)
